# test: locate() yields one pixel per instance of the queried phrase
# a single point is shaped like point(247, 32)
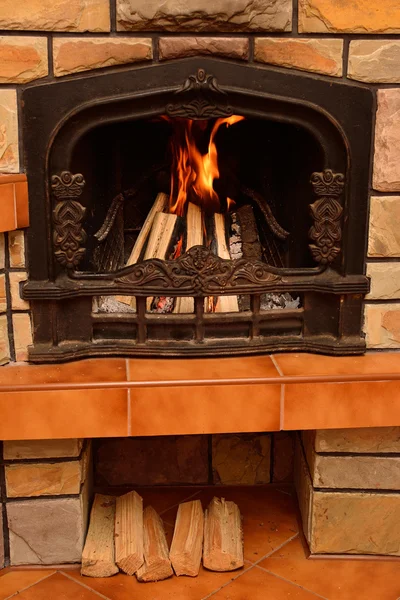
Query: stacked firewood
point(124, 537)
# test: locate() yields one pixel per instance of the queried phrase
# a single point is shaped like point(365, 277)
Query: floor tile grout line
point(251, 567)
point(84, 585)
point(30, 586)
point(292, 582)
point(178, 503)
point(129, 404)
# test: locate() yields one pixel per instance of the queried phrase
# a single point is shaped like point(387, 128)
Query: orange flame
point(195, 171)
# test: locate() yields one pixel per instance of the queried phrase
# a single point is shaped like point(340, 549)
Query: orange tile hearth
point(276, 563)
point(120, 397)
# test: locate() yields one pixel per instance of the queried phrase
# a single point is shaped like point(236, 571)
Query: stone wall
point(44, 40)
point(348, 486)
point(46, 486)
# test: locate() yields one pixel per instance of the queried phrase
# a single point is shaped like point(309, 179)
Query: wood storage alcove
point(198, 207)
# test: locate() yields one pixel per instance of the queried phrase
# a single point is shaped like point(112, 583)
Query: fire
point(193, 173)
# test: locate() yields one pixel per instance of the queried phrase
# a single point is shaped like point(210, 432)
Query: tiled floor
point(276, 565)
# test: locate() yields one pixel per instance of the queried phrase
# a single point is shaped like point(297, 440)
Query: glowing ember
point(193, 173)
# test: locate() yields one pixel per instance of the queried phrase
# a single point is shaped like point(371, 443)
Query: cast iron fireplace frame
point(57, 114)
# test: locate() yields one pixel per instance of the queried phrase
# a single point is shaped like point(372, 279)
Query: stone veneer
point(59, 39)
point(348, 486)
point(47, 490)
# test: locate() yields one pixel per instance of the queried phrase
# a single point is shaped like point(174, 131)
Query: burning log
point(251, 246)
point(194, 237)
point(223, 536)
point(129, 532)
point(98, 553)
point(224, 303)
point(157, 565)
point(187, 543)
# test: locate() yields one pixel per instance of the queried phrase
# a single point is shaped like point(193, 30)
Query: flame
point(193, 172)
point(230, 203)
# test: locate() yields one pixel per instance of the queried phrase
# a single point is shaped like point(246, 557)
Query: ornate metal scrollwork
point(326, 212)
point(199, 272)
point(200, 97)
point(68, 235)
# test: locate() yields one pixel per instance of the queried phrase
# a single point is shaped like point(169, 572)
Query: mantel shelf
point(118, 397)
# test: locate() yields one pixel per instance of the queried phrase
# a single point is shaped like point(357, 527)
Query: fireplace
point(196, 208)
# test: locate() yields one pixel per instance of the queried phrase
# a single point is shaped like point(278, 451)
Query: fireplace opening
point(156, 188)
point(217, 207)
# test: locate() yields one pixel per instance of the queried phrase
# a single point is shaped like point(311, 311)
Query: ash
point(274, 301)
point(110, 304)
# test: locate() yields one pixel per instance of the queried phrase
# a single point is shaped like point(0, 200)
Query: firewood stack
point(124, 537)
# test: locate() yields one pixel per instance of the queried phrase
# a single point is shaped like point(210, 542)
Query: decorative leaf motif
point(199, 272)
point(68, 233)
point(326, 212)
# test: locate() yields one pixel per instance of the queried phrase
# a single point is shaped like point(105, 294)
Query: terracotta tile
point(22, 204)
point(7, 203)
point(63, 414)
point(256, 584)
point(11, 582)
point(205, 409)
point(92, 370)
point(59, 587)
point(141, 369)
point(123, 587)
point(336, 405)
point(269, 516)
point(12, 177)
point(336, 579)
point(308, 365)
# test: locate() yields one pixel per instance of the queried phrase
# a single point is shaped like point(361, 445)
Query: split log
point(160, 203)
point(187, 543)
point(224, 303)
point(129, 532)
point(158, 206)
point(98, 553)
point(194, 237)
point(223, 536)
point(157, 565)
point(251, 246)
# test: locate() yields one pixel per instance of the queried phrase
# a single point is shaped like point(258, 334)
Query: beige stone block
point(46, 531)
point(22, 335)
point(9, 155)
point(178, 47)
point(356, 16)
point(316, 55)
point(361, 440)
point(382, 325)
point(17, 303)
point(16, 246)
point(385, 281)
point(386, 172)
point(283, 457)
point(351, 472)
point(72, 55)
point(22, 58)
point(55, 15)
point(202, 15)
point(384, 226)
point(376, 61)
point(355, 523)
point(42, 449)
point(2, 251)
point(43, 479)
point(241, 459)
point(3, 299)
point(4, 341)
